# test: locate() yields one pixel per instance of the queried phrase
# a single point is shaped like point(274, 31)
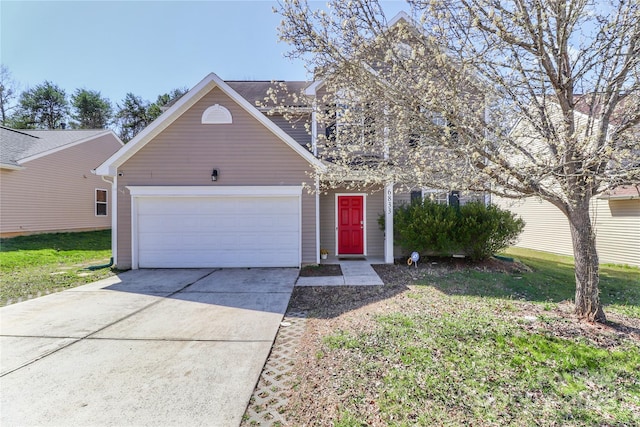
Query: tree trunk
point(587, 274)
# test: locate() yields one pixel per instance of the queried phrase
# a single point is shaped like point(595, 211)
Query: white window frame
point(429, 192)
point(361, 116)
point(96, 202)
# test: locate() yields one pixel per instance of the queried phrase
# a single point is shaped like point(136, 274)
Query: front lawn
point(45, 263)
point(551, 280)
point(469, 347)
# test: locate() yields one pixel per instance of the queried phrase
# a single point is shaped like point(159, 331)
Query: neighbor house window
point(101, 202)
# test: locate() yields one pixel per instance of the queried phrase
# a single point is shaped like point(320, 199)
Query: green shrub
point(474, 229)
point(488, 229)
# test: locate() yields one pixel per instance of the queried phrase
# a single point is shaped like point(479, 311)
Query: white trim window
point(437, 196)
point(102, 208)
point(440, 197)
point(349, 120)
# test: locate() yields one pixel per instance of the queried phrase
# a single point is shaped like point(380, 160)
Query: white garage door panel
point(227, 259)
point(214, 223)
point(218, 231)
point(153, 242)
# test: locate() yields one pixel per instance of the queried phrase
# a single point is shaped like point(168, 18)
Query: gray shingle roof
point(255, 91)
point(12, 144)
point(16, 145)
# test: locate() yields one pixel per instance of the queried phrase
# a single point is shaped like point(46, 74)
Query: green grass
point(470, 368)
point(551, 280)
point(44, 263)
point(488, 349)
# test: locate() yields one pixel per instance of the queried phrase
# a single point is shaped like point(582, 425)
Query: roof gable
point(187, 101)
point(399, 18)
point(21, 146)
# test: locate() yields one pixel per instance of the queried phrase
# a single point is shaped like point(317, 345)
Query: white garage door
point(218, 230)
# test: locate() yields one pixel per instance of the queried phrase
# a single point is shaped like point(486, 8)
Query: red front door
point(351, 225)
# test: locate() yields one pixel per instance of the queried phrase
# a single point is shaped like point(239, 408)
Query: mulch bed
point(321, 270)
point(449, 264)
point(402, 274)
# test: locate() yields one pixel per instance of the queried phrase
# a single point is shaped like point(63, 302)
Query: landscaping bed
point(321, 270)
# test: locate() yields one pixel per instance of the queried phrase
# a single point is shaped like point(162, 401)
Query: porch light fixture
point(214, 175)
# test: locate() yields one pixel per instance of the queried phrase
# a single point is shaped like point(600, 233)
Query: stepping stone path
point(268, 402)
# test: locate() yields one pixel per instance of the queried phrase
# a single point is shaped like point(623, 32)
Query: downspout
point(100, 267)
point(110, 264)
point(114, 215)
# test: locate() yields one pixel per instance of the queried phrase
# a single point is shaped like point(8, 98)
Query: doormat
point(352, 258)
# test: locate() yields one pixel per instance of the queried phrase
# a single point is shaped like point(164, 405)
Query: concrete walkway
point(144, 348)
point(354, 273)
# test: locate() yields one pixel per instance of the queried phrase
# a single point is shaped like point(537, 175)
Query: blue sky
point(144, 47)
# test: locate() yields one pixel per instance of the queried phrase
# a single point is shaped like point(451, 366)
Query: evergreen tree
point(91, 110)
point(43, 107)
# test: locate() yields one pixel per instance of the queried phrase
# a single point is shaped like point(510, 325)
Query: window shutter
point(330, 132)
point(454, 199)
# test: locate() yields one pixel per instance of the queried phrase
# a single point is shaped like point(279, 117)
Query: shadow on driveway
point(146, 347)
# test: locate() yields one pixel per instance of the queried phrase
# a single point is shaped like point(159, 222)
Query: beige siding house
point(616, 218)
point(220, 179)
point(215, 181)
point(47, 184)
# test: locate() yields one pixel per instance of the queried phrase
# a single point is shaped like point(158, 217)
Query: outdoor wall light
point(214, 175)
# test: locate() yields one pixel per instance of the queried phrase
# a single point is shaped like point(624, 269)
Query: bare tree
point(7, 93)
point(535, 97)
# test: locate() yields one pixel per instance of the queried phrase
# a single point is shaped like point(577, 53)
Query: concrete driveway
point(147, 347)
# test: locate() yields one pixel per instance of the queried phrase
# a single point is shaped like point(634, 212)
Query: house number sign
point(389, 201)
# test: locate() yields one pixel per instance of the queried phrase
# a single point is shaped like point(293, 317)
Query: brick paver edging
point(268, 402)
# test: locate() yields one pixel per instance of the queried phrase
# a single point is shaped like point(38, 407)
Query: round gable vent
point(216, 115)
